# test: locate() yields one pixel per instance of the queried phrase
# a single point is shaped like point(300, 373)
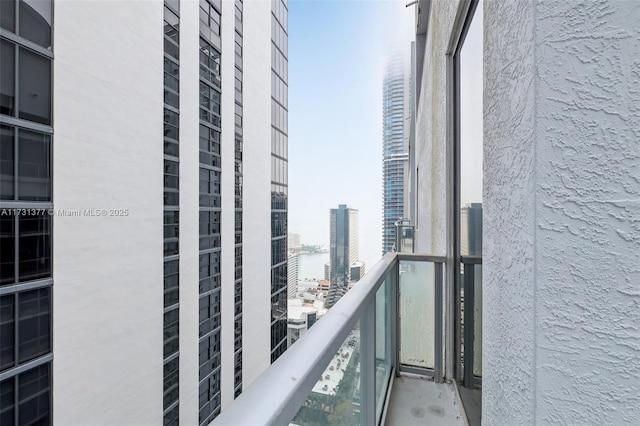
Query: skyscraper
point(292, 275)
point(395, 144)
point(343, 250)
point(279, 174)
point(160, 161)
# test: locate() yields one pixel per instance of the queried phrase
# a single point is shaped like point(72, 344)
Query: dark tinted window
point(35, 21)
point(34, 324)
point(7, 248)
point(34, 396)
point(6, 163)
point(35, 250)
point(7, 75)
point(7, 332)
point(34, 175)
point(34, 87)
point(7, 401)
point(8, 16)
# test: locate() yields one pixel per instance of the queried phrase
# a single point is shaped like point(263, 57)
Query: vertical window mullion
point(16, 75)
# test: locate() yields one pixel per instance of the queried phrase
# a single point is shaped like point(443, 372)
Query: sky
point(337, 51)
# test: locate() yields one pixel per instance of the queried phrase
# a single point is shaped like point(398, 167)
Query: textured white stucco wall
point(508, 382)
point(588, 212)
point(108, 293)
point(431, 133)
point(562, 230)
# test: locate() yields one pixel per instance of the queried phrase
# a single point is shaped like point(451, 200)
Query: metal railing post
point(438, 335)
point(394, 326)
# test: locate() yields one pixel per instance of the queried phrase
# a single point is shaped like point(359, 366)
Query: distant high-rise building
point(357, 271)
point(294, 241)
point(343, 250)
point(471, 230)
point(395, 145)
point(292, 275)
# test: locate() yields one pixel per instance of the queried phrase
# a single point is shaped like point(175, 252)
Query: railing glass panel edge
point(339, 371)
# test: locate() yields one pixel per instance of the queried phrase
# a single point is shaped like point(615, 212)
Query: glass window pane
point(7, 76)
point(34, 396)
point(6, 163)
point(417, 302)
point(34, 324)
point(7, 332)
point(34, 245)
point(383, 343)
point(175, 4)
point(331, 401)
point(34, 161)
point(34, 89)
point(7, 401)
point(471, 140)
point(35, 21)
point(7, 248)
point(8, 16)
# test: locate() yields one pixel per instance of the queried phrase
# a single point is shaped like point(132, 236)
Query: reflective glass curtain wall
point(279, 175)
point(210, 212)
point(26, 281)
point(237, 345)
point(171, 391)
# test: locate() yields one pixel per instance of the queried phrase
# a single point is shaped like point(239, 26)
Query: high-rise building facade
point(150, 154)
point(343, 250)
point(26, 272)
point(395, 145)
point(279, 174)
point(292, 275)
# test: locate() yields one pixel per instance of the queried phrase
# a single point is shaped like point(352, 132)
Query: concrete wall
point(108, 293)
point(431, 134)
point(256, 219)
point(509, 376)
point(562, 119)
point(189, 210)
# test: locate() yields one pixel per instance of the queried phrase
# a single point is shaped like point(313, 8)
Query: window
point(34, 163)
point(209, 63)
point(34, 324)
point(7, 76)
point(34, 89)
point(7, 332)
point(34, 254)
point(34, 396)
point(467, 208)
point(35, 21)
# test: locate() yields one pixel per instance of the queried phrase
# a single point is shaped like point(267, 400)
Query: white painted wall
point(108, 294)
point(256, 306)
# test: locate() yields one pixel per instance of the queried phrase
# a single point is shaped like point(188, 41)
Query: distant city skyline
point(335, 131)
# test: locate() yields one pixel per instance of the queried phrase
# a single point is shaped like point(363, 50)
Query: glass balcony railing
point(339, 371)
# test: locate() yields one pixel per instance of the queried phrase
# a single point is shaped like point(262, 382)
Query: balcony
point(379, 356)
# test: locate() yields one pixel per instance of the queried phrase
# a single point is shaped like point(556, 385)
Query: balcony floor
point(421, 401)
